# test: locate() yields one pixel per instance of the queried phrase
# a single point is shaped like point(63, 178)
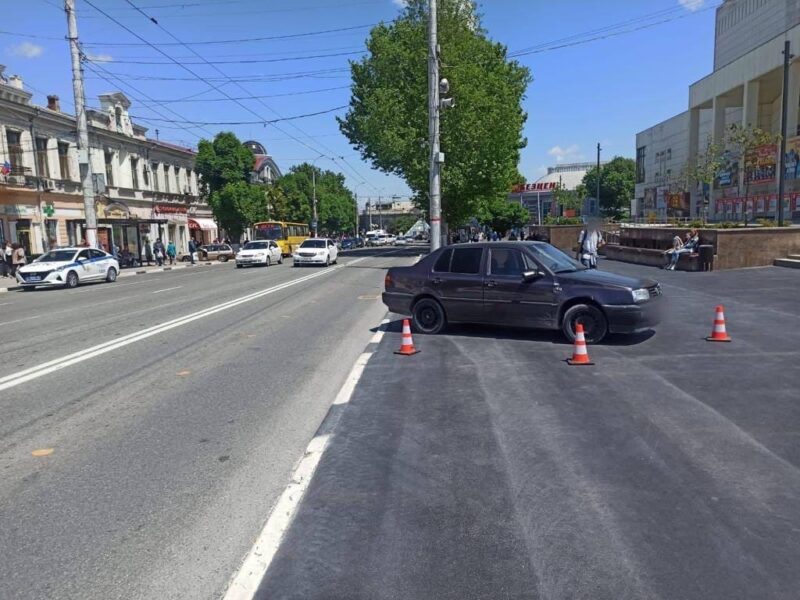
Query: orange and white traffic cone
point(718, 334)
point(407, 347)
point(579, 354)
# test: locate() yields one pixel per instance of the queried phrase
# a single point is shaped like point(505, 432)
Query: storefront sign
point(170, 209)
point(764, 164)
point(112, 210)
point(678, 204)
point(534, 187)
point(728, 173)
point(792, 159)
point(18, 210)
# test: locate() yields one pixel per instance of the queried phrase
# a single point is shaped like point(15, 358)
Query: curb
point(132, 273)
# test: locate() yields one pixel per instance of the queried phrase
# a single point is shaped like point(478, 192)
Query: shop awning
point(201, 223)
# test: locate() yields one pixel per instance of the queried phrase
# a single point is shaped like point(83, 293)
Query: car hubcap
point(428, 317)
point(589, 324)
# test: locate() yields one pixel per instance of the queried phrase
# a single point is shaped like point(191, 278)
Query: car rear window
point(466, 261)
point(443, 262)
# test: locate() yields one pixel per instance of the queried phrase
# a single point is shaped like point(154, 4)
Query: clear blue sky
point(602, 90)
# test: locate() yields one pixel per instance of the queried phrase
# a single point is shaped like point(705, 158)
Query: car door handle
point(491, 283)
point(436, 280)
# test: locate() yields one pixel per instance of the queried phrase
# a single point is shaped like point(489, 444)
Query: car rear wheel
point(595, 325)
point(222, 258)
point(111, 275)
point(429, 316)
point(72, 279)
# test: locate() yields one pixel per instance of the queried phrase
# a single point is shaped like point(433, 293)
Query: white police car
point(67, 267)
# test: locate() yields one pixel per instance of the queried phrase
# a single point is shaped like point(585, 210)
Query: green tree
point(570, 199)
point(617, 183)
point(224, 166)
point(501, 215)
point(336, 208)
point(481, 135)
point(403, 223)
point(702, 172)
point(744, 143)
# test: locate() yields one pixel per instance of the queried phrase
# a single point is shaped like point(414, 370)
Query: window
point(135, 173)
point(179, 190)
point(507, 261)
point(63, 160)
point(51, 229)
point(14, 139)
point(42, 169)
point(118, 118)
point(166, 179)
point(154, 169)
point(640, 155)
point(109, 168)
point(96, 253)
point(83, 255)
point(466, 261)
point(146, 177)
point(443, 262)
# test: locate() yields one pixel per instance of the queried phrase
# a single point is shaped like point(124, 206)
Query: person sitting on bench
point(688, 246)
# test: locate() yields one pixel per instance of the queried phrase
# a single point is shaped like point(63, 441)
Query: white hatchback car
point(264, 253)
point(67, 267)
point(316, 251)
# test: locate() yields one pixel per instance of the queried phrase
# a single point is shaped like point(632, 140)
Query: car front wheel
point(222, 258)
point(429, 317)
point(72, 279)
point(269, 262)
point(111, 275)
point(595, 325)
point(328, 261)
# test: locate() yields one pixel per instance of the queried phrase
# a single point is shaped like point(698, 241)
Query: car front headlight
point(641, 295)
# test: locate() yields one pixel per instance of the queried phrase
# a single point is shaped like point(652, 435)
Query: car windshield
point(269, 231)
point(256, 246)
point(313, 244)
point(554, 259)
point(56, 256)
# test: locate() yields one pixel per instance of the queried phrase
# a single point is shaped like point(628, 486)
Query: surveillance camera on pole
point(444, 85)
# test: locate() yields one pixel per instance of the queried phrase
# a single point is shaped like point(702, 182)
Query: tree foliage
point(481, 136)
point(224, 166)
point(500, 215)
point(402, 224)
point(336, 208)
point(617, 183)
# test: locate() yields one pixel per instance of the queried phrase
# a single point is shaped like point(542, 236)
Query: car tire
point(72, 280)
point(239, 266)
point(328, 261)
point(269, 262)
point(185, 259)
point(111, 275)
point(280, 259)
point(222, 258)
point(429, 317)
point(594, 322)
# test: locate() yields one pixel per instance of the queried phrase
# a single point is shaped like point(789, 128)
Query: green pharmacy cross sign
point(49, 210)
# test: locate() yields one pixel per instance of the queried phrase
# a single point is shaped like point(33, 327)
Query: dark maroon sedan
point(520, 284)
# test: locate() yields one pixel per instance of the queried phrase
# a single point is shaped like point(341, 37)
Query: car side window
point(507, 261)
point(97, 254)
point(443, 262)
point(83, 255)
point(466, 261)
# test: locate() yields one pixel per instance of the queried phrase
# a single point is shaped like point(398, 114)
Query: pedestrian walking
point(160, 252)
point(148, 252)
point(171, 252)
point(192, 249)
point(18, 258)
point(589, 240)
point(8, 251)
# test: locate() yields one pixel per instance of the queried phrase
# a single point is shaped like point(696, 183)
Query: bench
point(653, 257)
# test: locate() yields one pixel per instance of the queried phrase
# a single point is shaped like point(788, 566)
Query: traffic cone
point(407, 347)
point(718, 334)
point(579, 354)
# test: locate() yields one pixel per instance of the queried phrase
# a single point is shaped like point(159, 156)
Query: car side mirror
point(531, 275)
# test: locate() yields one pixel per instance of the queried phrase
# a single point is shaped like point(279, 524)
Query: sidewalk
point(10, 285)
point(485, 467)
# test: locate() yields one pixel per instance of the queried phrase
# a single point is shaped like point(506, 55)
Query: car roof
point(75, 248)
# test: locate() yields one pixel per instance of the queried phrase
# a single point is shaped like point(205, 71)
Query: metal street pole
point(598, 177)
point(380, 214)
point(83, 130)
point(784, 105)
point(314, 197)
point(433, 130)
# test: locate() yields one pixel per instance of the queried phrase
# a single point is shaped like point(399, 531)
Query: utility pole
point(784, 105)
point(598, 177)
point(314, 198)
point(83, 131)
point(380, 214)
point(433, 130)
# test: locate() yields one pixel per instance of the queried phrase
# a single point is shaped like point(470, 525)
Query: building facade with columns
point(144, 188)
point(745, 88)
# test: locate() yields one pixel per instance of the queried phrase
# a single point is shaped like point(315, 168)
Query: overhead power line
point(301, 93)
point(248, 61)
point(259, 122)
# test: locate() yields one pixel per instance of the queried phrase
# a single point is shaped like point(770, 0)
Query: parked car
point(68, 267)
point(220, 252)
point(264, 253)
point(402, 241)
point(348, 244)
point(316, 251)
point(521, 284)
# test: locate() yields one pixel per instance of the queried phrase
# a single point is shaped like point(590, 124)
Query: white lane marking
point(10, 381)
point(20, 320)
point(378, 335)
point(6, 303)
point(177, 287)
point(244, 584)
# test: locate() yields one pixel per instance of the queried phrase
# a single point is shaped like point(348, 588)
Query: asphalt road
point(145, 468)
point(486, 468)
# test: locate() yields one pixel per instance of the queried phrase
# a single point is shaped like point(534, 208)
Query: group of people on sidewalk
point(160, 252)
point(13, 257)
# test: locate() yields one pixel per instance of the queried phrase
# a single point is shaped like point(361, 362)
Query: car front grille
point(655, 290)
point(41, 275)
point(307, 254)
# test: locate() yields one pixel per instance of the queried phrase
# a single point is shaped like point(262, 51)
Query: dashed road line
point(177, 287)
